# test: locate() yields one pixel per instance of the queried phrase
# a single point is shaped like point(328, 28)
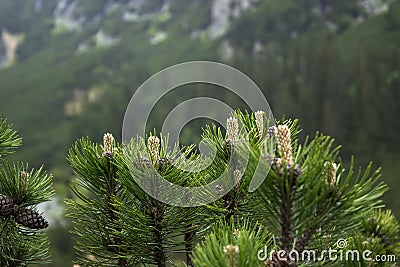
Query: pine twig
point(189, 239)
point(111, 193)
point(156, 216)
point(286, 210)
point(290, 177)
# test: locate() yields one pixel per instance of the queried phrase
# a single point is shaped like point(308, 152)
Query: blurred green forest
point(334, 64)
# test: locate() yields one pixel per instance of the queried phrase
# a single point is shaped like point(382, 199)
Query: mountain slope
point(78, 62)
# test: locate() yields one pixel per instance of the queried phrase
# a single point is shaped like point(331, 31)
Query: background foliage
point(332, 64)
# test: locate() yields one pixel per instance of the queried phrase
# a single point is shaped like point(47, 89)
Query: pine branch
point(234, 244)
point(96, 216)
point(305, 239)
point(286, 212)
point(21, 189)
point(231, 202)
point(150, 225)
point(189, 242)
point(297, 204)
point(286, 237)
point(9, 139)
point(111, 173)
point(156, 214)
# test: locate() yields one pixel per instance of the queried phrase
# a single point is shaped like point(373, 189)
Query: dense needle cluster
point(301, 199)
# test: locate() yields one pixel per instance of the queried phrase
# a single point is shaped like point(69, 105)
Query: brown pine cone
point(31, 219)
point(6, 206)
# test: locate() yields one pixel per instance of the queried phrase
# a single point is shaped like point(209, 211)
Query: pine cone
point(6, 206)
point(30, 218)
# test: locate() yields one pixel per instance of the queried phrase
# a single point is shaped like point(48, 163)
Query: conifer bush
point(307, 201)
point(22, 241)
